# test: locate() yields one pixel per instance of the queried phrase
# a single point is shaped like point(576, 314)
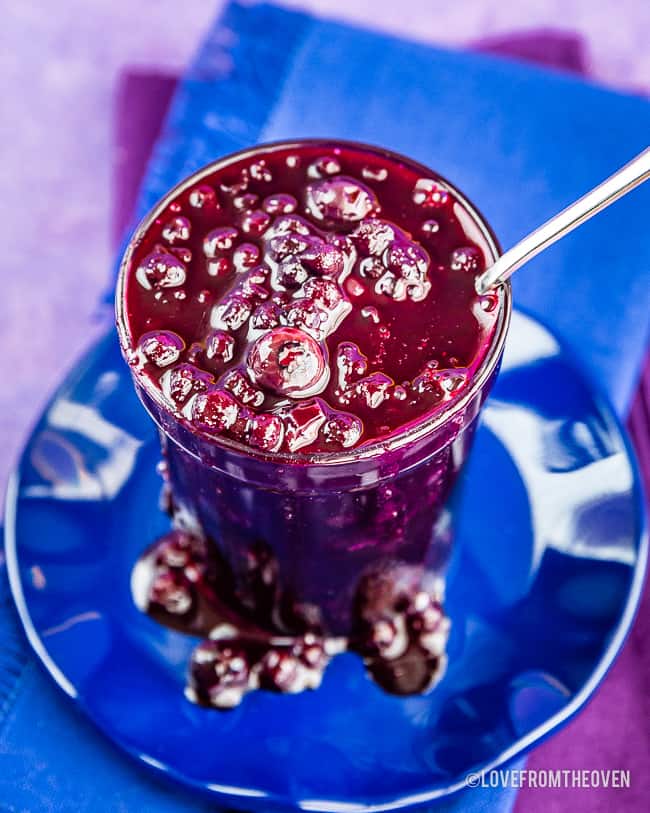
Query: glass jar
point(297, 531)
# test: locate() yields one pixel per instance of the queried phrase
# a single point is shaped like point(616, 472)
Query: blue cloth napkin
point(519, 141)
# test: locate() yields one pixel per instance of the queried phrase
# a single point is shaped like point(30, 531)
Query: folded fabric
point(521, 143)
point(265, 73)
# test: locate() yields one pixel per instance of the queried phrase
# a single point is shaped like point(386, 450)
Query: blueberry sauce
point(289, 316)
point(399, 626)
point(311, 298)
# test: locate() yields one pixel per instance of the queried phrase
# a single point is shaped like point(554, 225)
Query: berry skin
point(443, 384)
point(382, 599)
point(219, 267)
point(183, 381)
point(304, 313)
point(373, 236)
point(321, 167)
point(169, 592)
point(245, 202)
point(224, 669)
point(203, 197)
point(266, 432)
point(280, 671)
point(160, 270)
point(294, 668)
point(266, 316)
point(286, 361)
point(342, 431)
point(287, 244)
point(324, 259)
point(400, 628)
point(412, 673)
point(239, 384)
point(219, 240)
point(178, 572)
point(260, 172)
point(408, 260)
point(215, 410)
point(303, 423)
point(468, 259)
point(323, 292)
point(372, 267)
point(428, 625)
point(178, 229)
point(252, 287)
point(280, 204)
point(311, 651)
point(161, 347)
point(220, 346)
point(255, 222)
point(220, 673)
point(245, 256)
point(430, 195)
point(374, 389)
point(289, 274)
point(233, 312)
point(291, 223)
point(340, 199)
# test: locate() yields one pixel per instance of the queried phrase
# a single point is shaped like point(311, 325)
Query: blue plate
point(546, 573)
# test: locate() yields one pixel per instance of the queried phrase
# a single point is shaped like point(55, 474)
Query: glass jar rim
point(411, 434)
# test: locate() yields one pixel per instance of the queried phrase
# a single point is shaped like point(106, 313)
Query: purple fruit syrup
point(302, 324)
point(309, 300)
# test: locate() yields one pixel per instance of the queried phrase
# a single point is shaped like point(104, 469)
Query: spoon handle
point(620, 183)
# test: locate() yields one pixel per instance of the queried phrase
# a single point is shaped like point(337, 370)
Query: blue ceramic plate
point(543, 583)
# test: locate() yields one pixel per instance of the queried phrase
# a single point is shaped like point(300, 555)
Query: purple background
point(60, 76)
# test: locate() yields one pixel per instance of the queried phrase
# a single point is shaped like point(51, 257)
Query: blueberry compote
point(302, 323)
point(309, 300)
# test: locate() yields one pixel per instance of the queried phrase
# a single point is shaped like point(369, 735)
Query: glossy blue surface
point(547, 567)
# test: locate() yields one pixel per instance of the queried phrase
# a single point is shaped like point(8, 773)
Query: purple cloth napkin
point(553, 49)
point(614, 730)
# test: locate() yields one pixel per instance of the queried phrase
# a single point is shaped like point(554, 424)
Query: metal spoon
point(617, 185)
